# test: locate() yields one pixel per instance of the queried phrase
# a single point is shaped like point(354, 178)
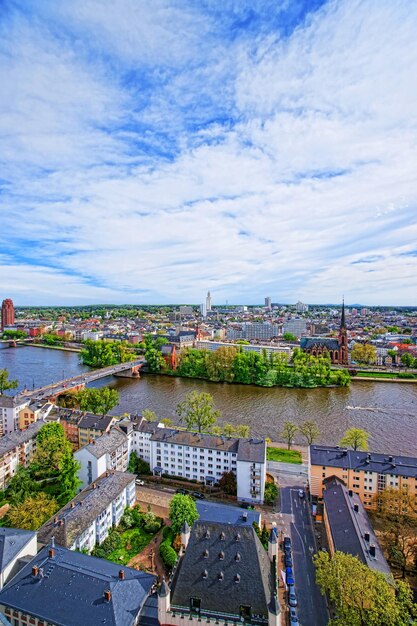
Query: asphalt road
point(293, 518)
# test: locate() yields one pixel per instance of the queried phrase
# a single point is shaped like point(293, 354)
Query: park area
point(282, 455)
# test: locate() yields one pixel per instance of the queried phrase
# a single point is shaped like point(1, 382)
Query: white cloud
point(144, 152)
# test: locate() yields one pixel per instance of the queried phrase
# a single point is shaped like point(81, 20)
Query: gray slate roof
point(12, 541)
point(107, 443)
point(95, 421)
point(13, 440)
point(82, 510)
point(309, 343)
point(226, 513)
point(255, 587)
point(71, 591)
point(348, 527)
point(364, 461)
point(253, 450)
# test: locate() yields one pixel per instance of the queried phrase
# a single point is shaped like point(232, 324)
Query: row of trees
point(355, 438)
point(94, 400)
point(36, 492)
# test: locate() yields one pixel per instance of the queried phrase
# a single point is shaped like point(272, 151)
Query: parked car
point(287, 542)
point(198, 495)
point(301, 493)
point(139, 482)
point(289, 576)
point(293, 617)
point(288, 560)
point(292, 598)
point(184, 492)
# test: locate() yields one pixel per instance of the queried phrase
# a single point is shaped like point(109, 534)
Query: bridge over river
point(50, 392)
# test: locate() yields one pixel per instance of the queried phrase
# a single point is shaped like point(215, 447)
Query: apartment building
point(348, 527)
point(10, 408)
point(259, 348)
point(34, 412)
point(365, 473)
point(87, 519)
point(108, 452)
point(255, 330)
point(17, 448)
point(15, 544)
point(59, 586)
point(202, 457)
point(92, 426)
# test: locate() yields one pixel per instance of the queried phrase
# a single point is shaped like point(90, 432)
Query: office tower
point(208, 302)
point(7, 313)
point(203, 309)
point(268, 303)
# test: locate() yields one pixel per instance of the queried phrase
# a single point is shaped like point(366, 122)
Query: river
point(388, 411)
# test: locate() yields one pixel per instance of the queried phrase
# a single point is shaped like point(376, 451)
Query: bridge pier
point(132, 372)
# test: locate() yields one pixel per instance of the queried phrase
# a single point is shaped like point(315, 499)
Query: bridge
point(51, 392)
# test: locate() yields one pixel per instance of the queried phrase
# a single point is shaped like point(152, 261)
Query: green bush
point(168, 554)
point(168, 534)
point(151, 523)
point(271, 493)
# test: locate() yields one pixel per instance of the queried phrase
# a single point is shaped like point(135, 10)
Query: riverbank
point(384, 380)
point(63, 348)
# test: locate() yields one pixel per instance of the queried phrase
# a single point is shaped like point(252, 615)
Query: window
point(245, 612)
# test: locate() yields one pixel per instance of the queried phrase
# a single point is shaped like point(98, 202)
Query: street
point(293, 519)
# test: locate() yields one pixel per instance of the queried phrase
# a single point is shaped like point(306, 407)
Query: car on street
point(293, 617)
point(301, 493)
point(198, 495)
point(288, 560)
point(139, 482)
point(289, 576)
point(184, 492)
point(287, 542)
point(292, 598)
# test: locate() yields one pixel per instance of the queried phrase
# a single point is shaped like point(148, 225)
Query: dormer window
point(237, 557)
point(221, 576)
point(237, 537)
point(205, 573)
point(206, 554)
point(221, 556)
point(222, 536)
point(207, 535)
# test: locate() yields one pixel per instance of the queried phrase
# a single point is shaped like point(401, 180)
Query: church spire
point(343, 320)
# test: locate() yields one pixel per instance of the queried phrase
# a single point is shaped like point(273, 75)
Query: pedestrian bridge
point(75, 383)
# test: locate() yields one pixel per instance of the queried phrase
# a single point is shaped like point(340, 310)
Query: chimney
point(61, 522)
point(73, 505)
point(56, 519)
point(390, 459)
point(35, 570)
point(121, 574)
point(372, 551)
point(51, 553)
point(351, 493)
point(107, 595)
point(367, 537)
point(94, 485)
point(356, 508)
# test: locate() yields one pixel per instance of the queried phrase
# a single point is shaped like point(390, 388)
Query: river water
point(388, 411)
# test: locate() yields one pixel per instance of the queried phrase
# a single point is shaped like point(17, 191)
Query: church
point(336, 348)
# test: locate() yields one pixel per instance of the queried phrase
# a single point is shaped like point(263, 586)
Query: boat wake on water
point(377, 409)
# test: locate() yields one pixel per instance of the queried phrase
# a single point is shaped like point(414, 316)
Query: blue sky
point(151, 151)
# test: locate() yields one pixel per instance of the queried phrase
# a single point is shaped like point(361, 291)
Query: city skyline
point(154, 153)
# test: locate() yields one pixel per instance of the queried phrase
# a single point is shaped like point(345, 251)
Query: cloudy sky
point(154, 149)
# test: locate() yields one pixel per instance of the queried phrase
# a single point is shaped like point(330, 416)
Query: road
point(294, 519)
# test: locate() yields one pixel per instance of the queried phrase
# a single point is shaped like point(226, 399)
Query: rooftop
point(69, 590)
point(12, 541)
point(363, 461)
point(13, 440)
point(107, 443)
point(95, 422)
point(224, 565)
point(226, 513)
point(71, 521)
point(350, 527)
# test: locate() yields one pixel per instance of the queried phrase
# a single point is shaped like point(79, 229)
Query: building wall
point(250, 481)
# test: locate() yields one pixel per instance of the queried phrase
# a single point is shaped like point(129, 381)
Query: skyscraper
point(268, 304)
point(7, 313)
point(208, 302)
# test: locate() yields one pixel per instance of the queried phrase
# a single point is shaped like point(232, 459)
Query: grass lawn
point(283, 455)
point(134, 541)
point(383, 375)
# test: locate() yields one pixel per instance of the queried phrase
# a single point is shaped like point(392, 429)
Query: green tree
point(228, 430)
point(149, 415)
point(98, 400)
point(51, 448)
point(407, 359)
point(5, 383)
point(271, 493)
point(361, 595)
point(197, 411)
point(364, 353)
point(68, 478)
point(242, 431)
point(355, 438)
point(154, 359)
point(228, 483)
point(32, 512)
point(289, 337)
point(220, 363)
point(288, 433)
point(310, 431)
point(182, 508)
point(20, 486)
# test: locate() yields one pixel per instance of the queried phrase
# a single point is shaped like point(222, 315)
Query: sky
point(151, 151)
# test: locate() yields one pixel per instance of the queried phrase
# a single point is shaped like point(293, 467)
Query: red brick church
point(337, 349)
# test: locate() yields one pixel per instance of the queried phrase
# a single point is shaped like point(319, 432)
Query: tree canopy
point(197, 411)
point(98, 400)
point(289, 430)
point(105, 353)
point(355, 438)
point(182, 508)
point(32, 512)
point(5, 382)
point(364, 353)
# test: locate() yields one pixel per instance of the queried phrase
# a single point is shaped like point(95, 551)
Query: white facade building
point(15, 544)
point(87, 519)
point(10, 407)
point(108, 452)
point(16, 449)
point(215, 345)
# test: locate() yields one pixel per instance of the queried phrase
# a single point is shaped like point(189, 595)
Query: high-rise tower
point(208, 302)
point(7, 313)
point(343, 339)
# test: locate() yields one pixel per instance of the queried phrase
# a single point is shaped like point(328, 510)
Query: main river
point(388, 411)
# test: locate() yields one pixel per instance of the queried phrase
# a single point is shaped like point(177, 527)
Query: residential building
point(225, 575)
point(87, 519)
point(15, 544)
point(300, 307)
point(259, 348)
point(255, 330)
point(109, 452)
point(227, 514)
point(7, 313)
point(10, 408)
point(33, 412)
point(60, 587)
point(348, 527)
point(205, 458)
point(365, 473)
point(296, 326)
point(203, 309)
point(268, 304)
point(169, 353)
point(69, 418)
point(17, 448)
point(92, 426)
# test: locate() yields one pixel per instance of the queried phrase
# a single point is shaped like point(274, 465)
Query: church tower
point(343, 339)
